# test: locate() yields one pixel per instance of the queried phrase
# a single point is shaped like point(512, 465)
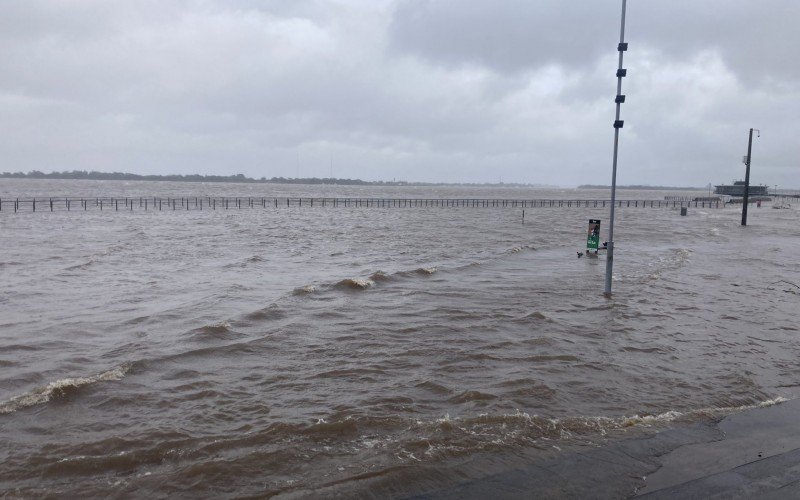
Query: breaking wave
point(510, 427)
point(448, 435)
point(415, 440)
point(355, 284)
point(60, 388)
point(673, 260)
point(304, 290)
point(425, 270)
point(521, 248)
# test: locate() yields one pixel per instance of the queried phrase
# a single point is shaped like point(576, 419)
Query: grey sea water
point(375, 350)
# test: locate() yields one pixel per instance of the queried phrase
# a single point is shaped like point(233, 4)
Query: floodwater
point(303, 351)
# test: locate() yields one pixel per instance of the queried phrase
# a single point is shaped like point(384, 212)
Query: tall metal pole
point(747, 179)
point(621, 73)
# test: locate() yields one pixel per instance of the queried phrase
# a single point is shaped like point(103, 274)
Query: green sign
point(593, 235)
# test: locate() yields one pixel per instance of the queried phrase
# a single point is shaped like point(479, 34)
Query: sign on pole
point(593, 235)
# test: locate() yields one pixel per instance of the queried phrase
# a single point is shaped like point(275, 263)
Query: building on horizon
point(737, 189)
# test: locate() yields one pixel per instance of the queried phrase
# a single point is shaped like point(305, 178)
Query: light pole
point(747, 176)
point(621, 73)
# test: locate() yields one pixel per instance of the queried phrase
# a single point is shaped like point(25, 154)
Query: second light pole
point(746, 197)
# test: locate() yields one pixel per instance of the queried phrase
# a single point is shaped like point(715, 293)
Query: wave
point(253, 259)
point(527, 388)
point(304, 290)
point(213, 330)
point(434, 387)
point(425, 271)
point(673, 415)
point(535, 316)
point(405, 439)
point(415, 439)
point(270, 313)
point(379, 276)
point(473, 430)
point(520, 248)
point(468, 396)
point(553, 357)
point(81, 266)
point(348, 373)
point(449, 436)
point(354, 284)
point(420, 271)
point(364, 283)
point(659, 350)
point(60, 388)
point(674, 260)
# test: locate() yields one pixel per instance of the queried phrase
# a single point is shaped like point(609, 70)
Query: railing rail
point(155, 203)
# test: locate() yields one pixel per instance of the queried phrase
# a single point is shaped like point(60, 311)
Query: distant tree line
point(122, 176)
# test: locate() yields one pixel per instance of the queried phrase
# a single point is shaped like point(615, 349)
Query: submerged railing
point(52, 204)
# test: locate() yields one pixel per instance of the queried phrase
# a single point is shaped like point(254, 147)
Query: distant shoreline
point(240, 178)
point(645, 187)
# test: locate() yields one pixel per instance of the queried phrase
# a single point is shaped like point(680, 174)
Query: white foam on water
point(521, 423)
point(360, 282)
point(305, 289)
point(45, 393)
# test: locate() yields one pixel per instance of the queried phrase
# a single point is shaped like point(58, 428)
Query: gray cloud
point(417, 89)
point(506, 36)
point(756, 39)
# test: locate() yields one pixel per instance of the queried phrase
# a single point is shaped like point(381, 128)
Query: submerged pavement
point(755, 453)
point(759, 455)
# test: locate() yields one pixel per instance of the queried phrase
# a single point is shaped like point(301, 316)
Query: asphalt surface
point(751, 454)
point(758, 456)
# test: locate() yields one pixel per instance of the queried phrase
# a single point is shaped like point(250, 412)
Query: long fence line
point(53, 204)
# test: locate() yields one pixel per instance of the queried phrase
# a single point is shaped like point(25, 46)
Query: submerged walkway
point(52, 204)
point(751, 454)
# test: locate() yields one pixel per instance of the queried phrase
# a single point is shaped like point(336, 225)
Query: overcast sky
point(419, 90)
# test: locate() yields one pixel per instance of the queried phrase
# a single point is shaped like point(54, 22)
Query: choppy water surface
point(285, 351)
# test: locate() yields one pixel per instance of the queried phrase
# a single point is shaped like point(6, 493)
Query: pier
point(160, 204)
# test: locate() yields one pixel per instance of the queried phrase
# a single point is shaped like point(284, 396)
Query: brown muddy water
point(289, 351)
